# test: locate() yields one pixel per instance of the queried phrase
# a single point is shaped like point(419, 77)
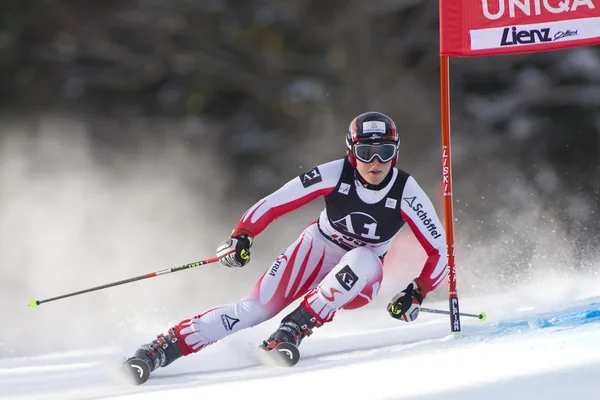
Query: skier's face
point(374, 172)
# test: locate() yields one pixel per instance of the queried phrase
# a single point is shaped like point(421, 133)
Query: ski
point(283, 354)
point(136, 371)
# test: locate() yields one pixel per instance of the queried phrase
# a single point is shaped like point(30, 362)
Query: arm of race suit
point(319, 181)
point(419, 213)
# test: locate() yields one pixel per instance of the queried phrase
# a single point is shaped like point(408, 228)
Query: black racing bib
point(358, 221)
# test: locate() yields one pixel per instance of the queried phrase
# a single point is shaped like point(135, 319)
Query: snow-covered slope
point(538, 343)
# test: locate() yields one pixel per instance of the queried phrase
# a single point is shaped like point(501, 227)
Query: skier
point(336, 262)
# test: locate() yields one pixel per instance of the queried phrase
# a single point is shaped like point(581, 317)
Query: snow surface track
point(539, 343)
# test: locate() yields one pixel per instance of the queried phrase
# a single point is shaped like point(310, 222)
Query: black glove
point(235, 251)
point(406, 304)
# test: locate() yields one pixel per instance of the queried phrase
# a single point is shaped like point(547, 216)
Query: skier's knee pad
point(352, 283)
point(369, 269)
point(365, 264)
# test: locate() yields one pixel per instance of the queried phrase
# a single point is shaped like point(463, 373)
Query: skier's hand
point(406, 304)
point(235, 251)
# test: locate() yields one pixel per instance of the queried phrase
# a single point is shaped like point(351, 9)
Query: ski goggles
point(367, 152)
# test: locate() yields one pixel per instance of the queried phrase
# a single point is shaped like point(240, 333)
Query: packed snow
point(539, 342)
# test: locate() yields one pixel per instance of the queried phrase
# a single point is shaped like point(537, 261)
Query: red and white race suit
point(336, 262)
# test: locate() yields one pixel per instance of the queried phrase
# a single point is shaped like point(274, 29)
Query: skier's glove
point(235, 251)
point(406, 304)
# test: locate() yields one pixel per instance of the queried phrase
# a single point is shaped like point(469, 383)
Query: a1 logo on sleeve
point(311, 177)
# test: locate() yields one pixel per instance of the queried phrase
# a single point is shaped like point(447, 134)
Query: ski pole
point(35, 303)
point(482, 316)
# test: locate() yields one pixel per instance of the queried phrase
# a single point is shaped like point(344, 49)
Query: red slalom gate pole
point(447, 184)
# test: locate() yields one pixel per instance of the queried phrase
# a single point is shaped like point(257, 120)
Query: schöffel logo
point(228, 322)
point(422, 215)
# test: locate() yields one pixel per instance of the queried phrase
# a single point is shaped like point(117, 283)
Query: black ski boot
point(283, 344)
point(161, 352)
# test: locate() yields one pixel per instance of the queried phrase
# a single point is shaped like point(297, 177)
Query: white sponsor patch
point(374, 127)
point(390, 203)
point(344, 188)
point(532, 34)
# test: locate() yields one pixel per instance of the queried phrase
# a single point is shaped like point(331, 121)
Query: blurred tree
point(267, 82)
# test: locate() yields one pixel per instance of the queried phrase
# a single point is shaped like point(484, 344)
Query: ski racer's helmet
point(371, 135)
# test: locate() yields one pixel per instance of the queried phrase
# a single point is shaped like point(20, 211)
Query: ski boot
point(161, 352)
point(283, 344)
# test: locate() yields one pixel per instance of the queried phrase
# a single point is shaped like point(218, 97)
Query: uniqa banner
point(490, 27)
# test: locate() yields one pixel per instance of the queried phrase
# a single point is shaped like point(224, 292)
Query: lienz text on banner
point(488, 27)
